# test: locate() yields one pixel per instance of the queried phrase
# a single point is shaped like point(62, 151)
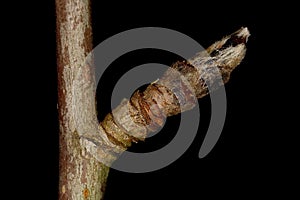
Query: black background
point(247, 161)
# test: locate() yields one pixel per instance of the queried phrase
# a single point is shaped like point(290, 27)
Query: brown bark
point(81, 175)
point(87, 147)
point(177, 91)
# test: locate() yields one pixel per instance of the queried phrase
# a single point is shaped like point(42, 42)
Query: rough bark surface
point(81, 175)
point(175, 92)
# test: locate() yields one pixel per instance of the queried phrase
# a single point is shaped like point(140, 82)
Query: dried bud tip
point(239, 37)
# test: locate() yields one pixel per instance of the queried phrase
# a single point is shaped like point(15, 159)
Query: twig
point(175, 92)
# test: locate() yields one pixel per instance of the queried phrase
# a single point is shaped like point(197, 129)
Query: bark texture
point(87, 148)
point(81, 175)
point(177, 91)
